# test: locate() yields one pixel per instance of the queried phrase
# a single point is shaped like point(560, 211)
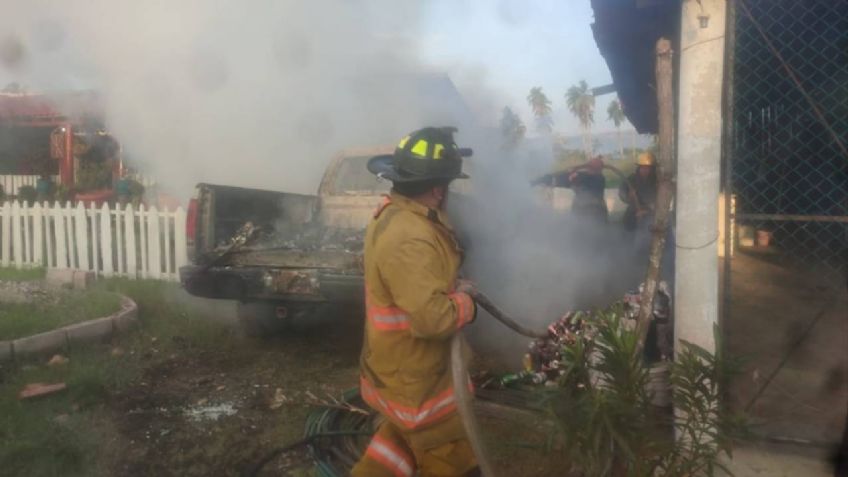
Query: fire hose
point(460, 377)
point(615, 170)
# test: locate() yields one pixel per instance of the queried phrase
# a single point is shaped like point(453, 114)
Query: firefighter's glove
point(469, 288)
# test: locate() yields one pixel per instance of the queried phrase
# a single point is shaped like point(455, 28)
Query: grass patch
point(54, 435)
point(33, 443)
point(18, 320)
point(22, 275)
point(164, 316)
point(59, 434)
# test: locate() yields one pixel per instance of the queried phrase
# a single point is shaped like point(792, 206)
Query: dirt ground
point(200, 411)
point(219, 411)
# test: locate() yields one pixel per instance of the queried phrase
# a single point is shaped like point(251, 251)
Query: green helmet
point(426, 154)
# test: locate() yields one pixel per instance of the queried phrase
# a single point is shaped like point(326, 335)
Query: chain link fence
point(785, 286)
point(789, 169)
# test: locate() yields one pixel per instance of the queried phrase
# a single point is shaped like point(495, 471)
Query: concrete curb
point(98, 329)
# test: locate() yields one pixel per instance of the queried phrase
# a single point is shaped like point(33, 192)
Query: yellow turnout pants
point(441, 450)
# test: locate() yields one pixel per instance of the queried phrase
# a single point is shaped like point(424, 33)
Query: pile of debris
point(316, 238)
point(312, 238)
point(542, 364)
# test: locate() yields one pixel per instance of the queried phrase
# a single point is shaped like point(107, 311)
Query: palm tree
point(581, 103)
point(616, 115)
point(512, 128)
point(541, 106)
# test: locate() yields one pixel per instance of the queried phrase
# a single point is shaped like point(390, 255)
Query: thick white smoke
point(534, 262)
point(255, 94)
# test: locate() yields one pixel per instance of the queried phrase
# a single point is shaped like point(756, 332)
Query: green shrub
point(27, 194)
point(136, 188)
point(94, 175)
point(63, 193)
point(602, 407)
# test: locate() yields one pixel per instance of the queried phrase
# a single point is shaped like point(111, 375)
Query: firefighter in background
point(588, 183)
point(414, 305)
point(639, 192)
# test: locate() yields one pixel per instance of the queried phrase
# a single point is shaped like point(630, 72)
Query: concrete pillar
point(701, 54)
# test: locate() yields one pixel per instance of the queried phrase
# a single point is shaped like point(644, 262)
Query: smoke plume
point(257, 94)
point(536, 263)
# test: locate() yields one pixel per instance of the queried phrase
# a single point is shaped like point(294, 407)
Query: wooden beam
point(665, 187)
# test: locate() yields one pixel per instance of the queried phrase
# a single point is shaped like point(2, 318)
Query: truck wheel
point(259, 319)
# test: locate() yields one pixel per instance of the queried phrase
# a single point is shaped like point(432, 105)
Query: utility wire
point(791, 73)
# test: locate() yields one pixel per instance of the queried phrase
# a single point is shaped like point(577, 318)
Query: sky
point(514, 45)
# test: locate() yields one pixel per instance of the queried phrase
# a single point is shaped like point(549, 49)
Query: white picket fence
point(11, 183)
point(133, 243)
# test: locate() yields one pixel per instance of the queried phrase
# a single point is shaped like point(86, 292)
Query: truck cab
point(349, 193)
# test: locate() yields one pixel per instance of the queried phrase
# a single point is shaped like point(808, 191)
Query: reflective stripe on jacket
point(411, 264)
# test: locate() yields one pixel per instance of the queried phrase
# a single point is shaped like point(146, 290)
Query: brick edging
point(75, 334)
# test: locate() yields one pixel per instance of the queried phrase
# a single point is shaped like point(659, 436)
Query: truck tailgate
point(222, 210)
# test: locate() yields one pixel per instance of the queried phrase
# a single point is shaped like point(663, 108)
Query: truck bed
point(223, 210)
point(285, 254)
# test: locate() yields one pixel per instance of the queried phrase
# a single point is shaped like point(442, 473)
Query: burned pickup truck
point(283, 255)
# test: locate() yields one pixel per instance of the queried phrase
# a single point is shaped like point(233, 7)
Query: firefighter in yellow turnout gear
point(413, 307)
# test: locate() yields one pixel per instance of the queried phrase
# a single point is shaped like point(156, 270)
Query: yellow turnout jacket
point(411, 263)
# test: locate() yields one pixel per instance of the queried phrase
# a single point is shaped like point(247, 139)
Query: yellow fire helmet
point(645, 159)
point(428, 153)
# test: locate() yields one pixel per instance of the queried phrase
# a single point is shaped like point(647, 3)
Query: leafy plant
point(602, 406)
point(63, 193)
point(704, 424)
point(27, 194)
point(93, 175)
point(136, 191)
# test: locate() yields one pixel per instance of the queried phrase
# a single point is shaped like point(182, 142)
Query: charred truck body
point(280, 254)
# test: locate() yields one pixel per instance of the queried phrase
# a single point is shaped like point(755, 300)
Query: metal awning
point(626, 32)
